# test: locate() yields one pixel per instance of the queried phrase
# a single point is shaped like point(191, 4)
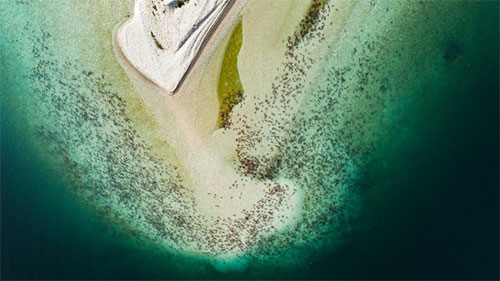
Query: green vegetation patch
point(230, 90)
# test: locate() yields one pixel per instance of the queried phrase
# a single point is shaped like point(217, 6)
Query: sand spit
point(181, 199)
point(236, 210)
point(164, 37)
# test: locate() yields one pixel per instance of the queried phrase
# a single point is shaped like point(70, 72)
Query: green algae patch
point(229, 89)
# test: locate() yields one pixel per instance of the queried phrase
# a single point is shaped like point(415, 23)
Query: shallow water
point(410, 99)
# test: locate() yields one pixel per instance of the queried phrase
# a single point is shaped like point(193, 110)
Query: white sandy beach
point(162, 39)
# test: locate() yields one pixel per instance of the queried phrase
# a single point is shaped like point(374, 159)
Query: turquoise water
point(420, 126)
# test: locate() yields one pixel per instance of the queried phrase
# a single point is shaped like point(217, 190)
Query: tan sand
point(188, 118)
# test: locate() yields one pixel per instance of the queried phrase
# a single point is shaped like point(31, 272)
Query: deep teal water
point(429, 194)
point(431, 197)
